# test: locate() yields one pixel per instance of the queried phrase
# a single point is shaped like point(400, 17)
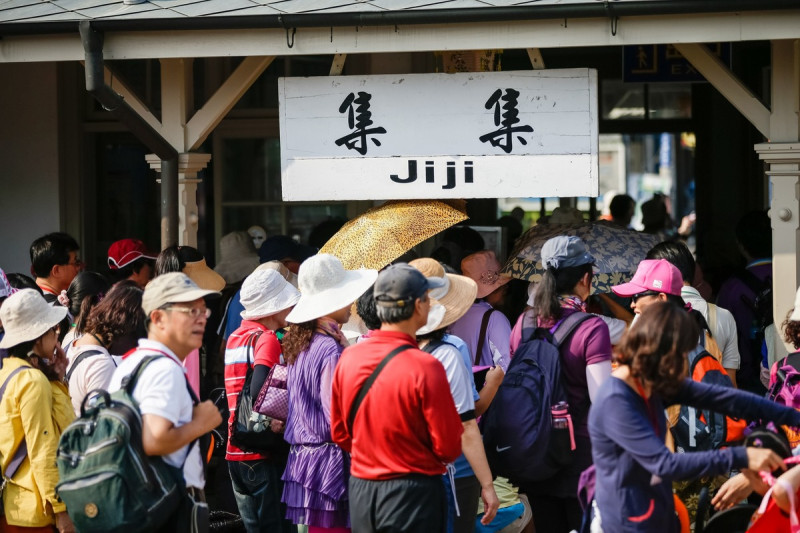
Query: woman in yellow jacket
point(27, 411)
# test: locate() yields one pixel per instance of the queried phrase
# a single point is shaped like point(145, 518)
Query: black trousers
point(409, 504)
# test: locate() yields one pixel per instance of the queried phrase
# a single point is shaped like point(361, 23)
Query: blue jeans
point(258, 495)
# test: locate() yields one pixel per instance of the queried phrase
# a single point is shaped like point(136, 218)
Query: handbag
point(273, 398)
point(250, 430)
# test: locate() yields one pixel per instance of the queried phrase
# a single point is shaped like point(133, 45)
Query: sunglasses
point(635, 297)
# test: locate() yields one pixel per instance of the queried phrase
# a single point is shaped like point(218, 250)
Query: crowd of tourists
point(417, 398)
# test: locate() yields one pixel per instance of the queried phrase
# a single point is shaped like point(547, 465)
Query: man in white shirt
point(176, 319)
point(720, 321)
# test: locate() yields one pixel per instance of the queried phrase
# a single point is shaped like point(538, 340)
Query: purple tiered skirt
point(315, 486)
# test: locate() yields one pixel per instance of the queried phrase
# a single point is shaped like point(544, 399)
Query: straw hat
point(265, 292)
point(26, 316)
point(457, 296)
point(325, 287)
point(484, 268)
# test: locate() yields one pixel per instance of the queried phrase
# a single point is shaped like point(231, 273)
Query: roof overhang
point(126, 43)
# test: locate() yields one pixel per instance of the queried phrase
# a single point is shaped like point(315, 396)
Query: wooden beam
point(177, 100)
point(537, 62)
point(553, 33)
point(131, 98)
point(710, 66)
point(206, 119)
point(338, 64)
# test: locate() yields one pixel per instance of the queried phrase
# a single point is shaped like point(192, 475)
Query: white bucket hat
point(26, 316)
point(265, 292)
point(325, 287)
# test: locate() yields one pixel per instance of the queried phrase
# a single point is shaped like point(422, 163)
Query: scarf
point(328, 326)
point(572, 302)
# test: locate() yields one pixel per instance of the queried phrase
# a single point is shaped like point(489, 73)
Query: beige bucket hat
point(26, 316)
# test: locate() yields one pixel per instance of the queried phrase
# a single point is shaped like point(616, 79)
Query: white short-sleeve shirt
point(724, 331)
point(162, 391)
point(458, 377)
point(93, 372)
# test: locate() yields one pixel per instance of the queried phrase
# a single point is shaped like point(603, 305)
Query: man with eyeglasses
point(55, 263)
point(172, 418)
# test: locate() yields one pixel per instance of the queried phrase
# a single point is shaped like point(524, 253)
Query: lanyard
point(650, 411)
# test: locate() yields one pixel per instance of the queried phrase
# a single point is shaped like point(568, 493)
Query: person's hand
point(60, 361)
point(732, 492)
point(494, 376)
point(63, 523)
point(490, 504)
point(207, 415)
point(764, 460)
point(277, 426)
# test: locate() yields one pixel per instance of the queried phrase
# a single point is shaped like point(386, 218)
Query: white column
point(189, 165)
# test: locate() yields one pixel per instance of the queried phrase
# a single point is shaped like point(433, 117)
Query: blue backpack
point(520, 440)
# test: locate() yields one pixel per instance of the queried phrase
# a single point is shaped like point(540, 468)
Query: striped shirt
point(267, 353)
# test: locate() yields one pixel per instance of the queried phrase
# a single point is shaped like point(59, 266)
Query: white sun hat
point(325, 287)
point(266, 292)
point(26, 316)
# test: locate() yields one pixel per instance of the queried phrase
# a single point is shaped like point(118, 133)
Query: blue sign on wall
point(662, 62)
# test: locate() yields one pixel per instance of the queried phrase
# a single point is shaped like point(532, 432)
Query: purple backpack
point(786, 389)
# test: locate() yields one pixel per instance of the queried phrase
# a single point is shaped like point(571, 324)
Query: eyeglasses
point(194, 312)
point(635, 297)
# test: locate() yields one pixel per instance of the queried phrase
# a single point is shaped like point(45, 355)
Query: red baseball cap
point(658, 275)
point(123, 253)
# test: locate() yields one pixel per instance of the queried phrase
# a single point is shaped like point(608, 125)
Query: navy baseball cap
point(400, 284)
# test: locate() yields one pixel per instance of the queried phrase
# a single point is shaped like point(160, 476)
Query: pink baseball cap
point(657, 275)
point(126, 251)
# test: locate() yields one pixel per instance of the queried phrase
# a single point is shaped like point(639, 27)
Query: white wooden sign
point(468, 135)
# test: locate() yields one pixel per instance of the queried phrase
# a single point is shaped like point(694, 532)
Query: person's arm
point(326, 384)
point(267, 354)
point(499, 334)
point(494, 377)
point(439, 411)
point(596, 374)
point(162, 437)
point(733, 402)
point(630, 429)
point(472, 446)
point(35, 400)
point(339, 433)
point(728, 342)
point(737, 489)
point(779, 492)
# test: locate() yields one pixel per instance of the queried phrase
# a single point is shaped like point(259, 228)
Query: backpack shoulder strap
point(482, 335)
point(712, 319)
point(568, 325)
point(22, 449)
point(753, 282)
point(368, 384)
point(79, 359)
point(250, 343)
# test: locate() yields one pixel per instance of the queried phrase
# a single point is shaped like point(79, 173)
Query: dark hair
point(676, 253)
point(791, 330)
point(22, 349)
point(365, 307)
point(654, 214)
point(133, 268)
point(322, 232)
point(754, 233)
point(21, 281)
point(297, 339)
point(433, 336)
point(393, 315)
point(554, 283)
point(656, 345)
point(51, 250)
point(85, 291)
point(119, 317)
point(620, 206)
point(174, 258)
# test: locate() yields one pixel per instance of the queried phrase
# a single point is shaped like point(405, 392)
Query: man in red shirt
point(406, 428)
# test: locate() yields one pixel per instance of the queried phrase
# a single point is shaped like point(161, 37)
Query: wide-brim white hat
point(325, 287)
point(26, 316)
point(266, 292)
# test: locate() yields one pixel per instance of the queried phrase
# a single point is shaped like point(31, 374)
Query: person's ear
point(662, 296)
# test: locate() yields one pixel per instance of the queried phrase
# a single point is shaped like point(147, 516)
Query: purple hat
point(658, 275)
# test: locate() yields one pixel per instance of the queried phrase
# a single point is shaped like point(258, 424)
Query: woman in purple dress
point(315, 480)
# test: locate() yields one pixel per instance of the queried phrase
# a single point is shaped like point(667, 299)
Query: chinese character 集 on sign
point(507, 120)
point(359, 119)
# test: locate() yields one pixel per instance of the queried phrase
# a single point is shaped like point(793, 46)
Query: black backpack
point(760, 305)
point(520, 440)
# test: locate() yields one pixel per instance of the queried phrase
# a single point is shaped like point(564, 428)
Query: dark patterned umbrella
point(617, 251)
